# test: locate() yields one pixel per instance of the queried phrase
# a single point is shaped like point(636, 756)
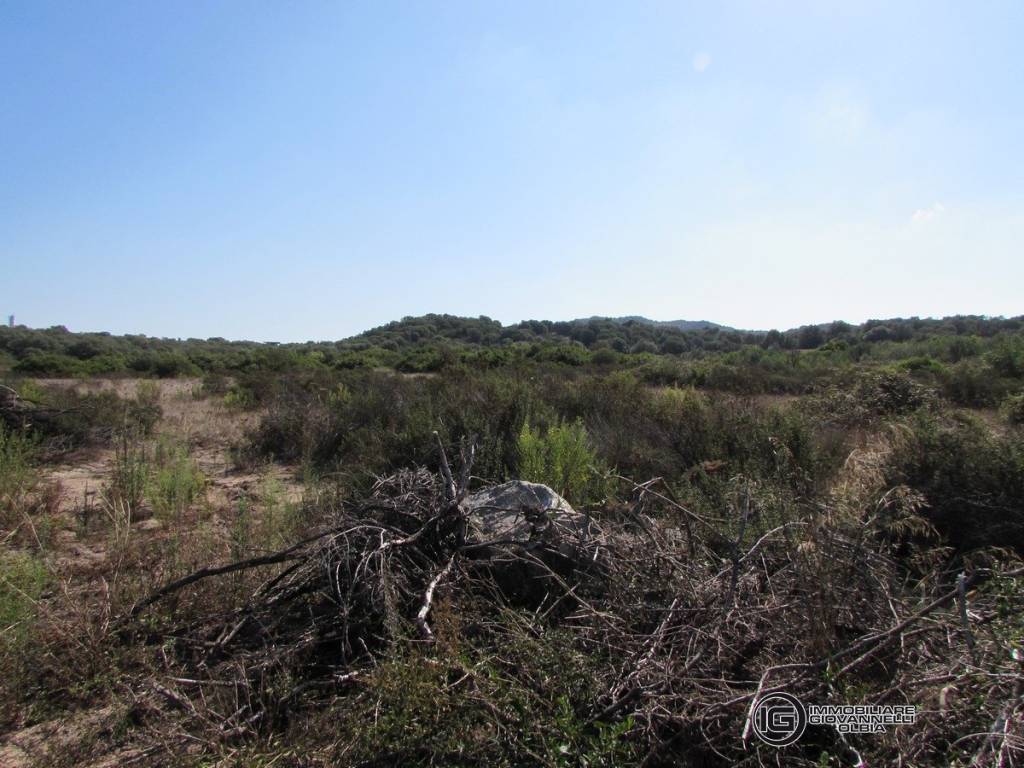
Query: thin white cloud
point(842, 115)
point(933, 211)
point(701, 61)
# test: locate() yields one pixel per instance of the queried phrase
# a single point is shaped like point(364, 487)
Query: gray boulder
point(523, 513)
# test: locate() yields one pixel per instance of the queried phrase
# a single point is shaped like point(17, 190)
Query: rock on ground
point(521, 512)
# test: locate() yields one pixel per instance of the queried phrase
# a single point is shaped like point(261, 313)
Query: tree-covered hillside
point(974, 360)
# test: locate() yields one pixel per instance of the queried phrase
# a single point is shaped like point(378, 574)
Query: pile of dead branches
point(694, 620)
point(341, 598)
point(15, 411)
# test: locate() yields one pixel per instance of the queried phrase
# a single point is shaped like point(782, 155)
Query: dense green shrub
point(23, 580)
point(561, 458)
point(381, 421)
point(175, 481)
point(214, 384)
point(973, 383)
point(923, 365)
point(18, 473)
point(867, 397)
point(49, 364)
point(1007, 357)
point(1013, 408)
point(972, 478)
point(540, 689)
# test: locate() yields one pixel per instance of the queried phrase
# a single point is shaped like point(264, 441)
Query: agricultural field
point(233, 554)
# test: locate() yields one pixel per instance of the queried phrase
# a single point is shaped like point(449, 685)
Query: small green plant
point(18, 474)
point(30, 390)
point(241, 530)
point(130, 473)
point(1013, 409)
point(239, 398)
point(23, 581)
point(176, 482)
point(578, 744)
point(144, 409)
point(561, 458)
point(282, 519)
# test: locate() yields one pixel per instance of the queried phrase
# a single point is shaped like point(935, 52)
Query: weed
point(144, 409)
point(1013, 409)
point(19, 476)
point(24, 579)
point(130, 474)
point(561, 458)
point(175, 483)
point(239, 398)
point(282, 519)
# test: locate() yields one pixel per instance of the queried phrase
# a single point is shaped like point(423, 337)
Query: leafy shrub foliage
point(720, 358)
point(561, 458)
point(971, 478)
point(1013, 409)
point(18, 474)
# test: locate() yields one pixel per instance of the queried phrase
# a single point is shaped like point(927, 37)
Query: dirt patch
point(81, 478)
point(71, 740)
point(83, 551)
point(205, 425)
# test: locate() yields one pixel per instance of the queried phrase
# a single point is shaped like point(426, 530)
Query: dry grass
point(100, 553)
point(387, 638)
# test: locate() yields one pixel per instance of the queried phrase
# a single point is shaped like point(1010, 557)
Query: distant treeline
point(973, 359)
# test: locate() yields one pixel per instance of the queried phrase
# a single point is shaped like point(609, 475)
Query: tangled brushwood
point(432, 623)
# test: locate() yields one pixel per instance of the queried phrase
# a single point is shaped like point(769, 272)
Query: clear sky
point(303, 170)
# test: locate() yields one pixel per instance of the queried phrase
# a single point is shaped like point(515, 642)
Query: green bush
point(24, 580)
point(561, 458)
point(50, 364)
point(18, 474)
point(1007, 357)
point(866, 397)
point(972, 478)
point(923, 365)
point(213, 384)
point(144, 410)
point(384, 421)
point(240, 399)
point(175, 482)
point(1013, 408)
point(129, 477)
point(64, 419)
point(975, 384)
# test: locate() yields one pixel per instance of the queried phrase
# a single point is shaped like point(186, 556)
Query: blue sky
point(293, 171)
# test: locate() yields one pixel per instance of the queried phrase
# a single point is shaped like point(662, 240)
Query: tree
point(810, 337)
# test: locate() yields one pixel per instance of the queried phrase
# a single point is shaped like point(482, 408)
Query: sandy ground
point(80, 552)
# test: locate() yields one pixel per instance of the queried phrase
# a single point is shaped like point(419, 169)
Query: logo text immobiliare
point(779, 719)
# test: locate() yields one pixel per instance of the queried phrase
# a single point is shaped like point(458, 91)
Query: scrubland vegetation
point(773, 511)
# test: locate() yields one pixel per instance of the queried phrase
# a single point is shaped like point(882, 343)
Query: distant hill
point(430, 342)
point(621, 334)
point(679, 325)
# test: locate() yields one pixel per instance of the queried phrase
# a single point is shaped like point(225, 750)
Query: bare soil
point(79, 549)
